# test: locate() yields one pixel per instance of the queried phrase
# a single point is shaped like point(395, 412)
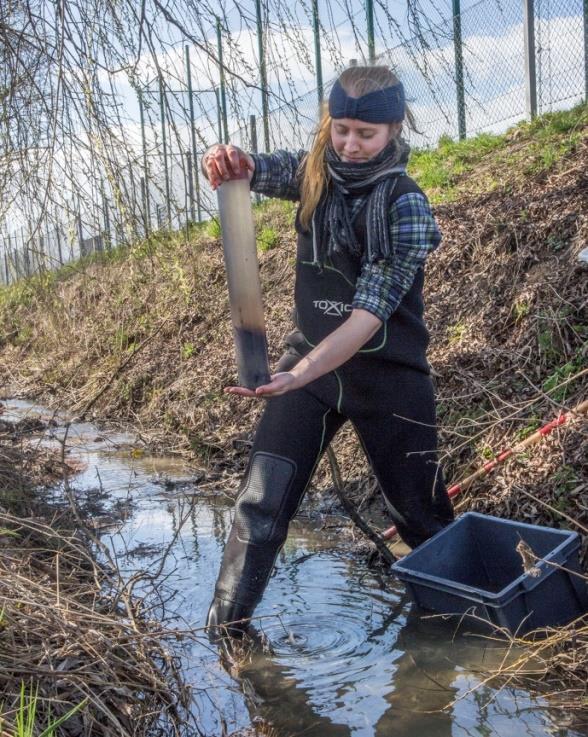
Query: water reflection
point(341, 651)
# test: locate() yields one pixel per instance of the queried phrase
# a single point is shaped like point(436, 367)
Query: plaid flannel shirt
point(380, 286)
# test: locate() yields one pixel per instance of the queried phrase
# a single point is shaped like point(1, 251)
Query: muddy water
point(344, 653)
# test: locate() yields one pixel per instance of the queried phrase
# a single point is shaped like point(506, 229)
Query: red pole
point(487, 468)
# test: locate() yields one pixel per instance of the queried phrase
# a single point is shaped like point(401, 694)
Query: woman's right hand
point(224, 161)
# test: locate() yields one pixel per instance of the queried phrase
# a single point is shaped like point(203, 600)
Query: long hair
point(356, 81)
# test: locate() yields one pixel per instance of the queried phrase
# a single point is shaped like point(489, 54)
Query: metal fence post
point(145, 165)
point(195, 179)
point(26, 254)
point(317, 52)
point(80, 235)
point(457, 46)
point(190, 181)
point(35, 256)
point(42, 255)
point(146, 223)
point(106, 212)
point(219, 117)
point(50, 249)
point(263, 77)
point(530, 64)
point(585, 16)
point(6, 260)
point(197, 185)
point(223, 92)
point(164, 142)
point(253, 135)
point(58, 241)
point(369, 8)
point(15, 264)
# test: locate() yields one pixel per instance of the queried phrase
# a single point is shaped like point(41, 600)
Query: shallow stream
point(345, 654)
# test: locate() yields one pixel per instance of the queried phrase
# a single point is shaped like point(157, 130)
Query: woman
point(359, 351)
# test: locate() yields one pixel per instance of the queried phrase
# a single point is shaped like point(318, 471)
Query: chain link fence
point(482, 84)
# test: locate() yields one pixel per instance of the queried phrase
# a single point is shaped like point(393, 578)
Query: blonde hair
point(356, 81)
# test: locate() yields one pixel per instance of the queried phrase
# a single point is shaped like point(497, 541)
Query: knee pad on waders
point(258, 532)
point(261, 514)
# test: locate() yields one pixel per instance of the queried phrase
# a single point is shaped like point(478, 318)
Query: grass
point(527, 148)
point(438, 170)
point(267, 238)
point(25, 720)
point(555, 384)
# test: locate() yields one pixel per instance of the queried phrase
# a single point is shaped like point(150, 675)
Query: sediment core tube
point(240, 252)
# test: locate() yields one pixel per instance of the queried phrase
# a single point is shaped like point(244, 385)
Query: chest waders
point(384, 390)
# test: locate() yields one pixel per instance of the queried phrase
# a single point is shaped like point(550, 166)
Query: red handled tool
point(487, 468)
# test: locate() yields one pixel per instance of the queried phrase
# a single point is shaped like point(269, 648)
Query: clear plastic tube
point(239, 247)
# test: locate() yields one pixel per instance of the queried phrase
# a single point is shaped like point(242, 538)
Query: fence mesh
point(162, 187)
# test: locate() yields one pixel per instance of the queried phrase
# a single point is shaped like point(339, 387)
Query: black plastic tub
point(473, 566)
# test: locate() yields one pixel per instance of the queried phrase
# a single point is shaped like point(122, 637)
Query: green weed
point(267, 238)
point(187, 350)
point(120, 340)
point(551, 385)
point(24, 335)
point(521, 309)
point(531, 426)
point(565, 479)
point(213, 229)
point(456, 333)
point(546, 344)
point(556, 242)
point(26, 715)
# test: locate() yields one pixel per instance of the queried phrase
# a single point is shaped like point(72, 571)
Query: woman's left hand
point(279, 384)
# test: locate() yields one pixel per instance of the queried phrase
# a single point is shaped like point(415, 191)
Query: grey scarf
point(373, 180)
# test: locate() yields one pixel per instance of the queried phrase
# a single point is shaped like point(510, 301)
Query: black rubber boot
point(257, 534)
point(227, 619)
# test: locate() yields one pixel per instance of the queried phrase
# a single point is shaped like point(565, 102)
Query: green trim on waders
point(351, 284)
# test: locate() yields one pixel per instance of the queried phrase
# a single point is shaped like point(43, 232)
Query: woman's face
point(357, 141)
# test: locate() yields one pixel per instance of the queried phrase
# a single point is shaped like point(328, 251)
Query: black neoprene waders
point(392, 410)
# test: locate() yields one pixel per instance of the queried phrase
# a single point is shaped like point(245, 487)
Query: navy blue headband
point(381, 106)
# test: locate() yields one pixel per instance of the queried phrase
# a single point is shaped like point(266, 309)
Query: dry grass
point(550, 663)
point(71, 629)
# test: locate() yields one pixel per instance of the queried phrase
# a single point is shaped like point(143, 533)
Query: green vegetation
point(25, 721)
point(187, 350)
point(529, 428)
point(456, 333)
point(538, 145)
point(438, 170)
point(556, 385)
point(267, 238)
point(213, 228)
point(521, 309)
